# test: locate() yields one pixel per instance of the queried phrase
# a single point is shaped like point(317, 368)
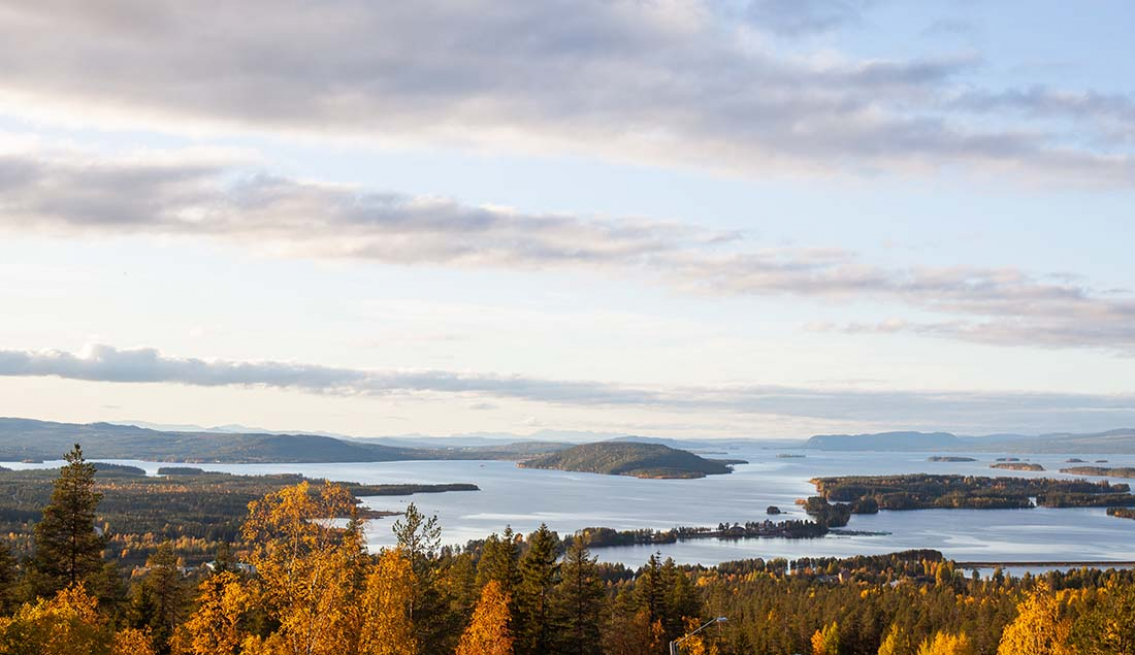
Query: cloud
point(799, 17)
point(216, 201)
point(960, 410)
point(1069, 332)
point(315, 220)
point(1112, 114)
point(676, 81)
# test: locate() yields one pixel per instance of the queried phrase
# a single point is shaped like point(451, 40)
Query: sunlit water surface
point(525, 498)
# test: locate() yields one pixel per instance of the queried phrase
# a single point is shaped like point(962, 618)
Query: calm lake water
point(525, 498)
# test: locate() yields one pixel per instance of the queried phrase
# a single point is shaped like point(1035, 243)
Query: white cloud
point(958, 410)
point(680, 81)
point(203, 199)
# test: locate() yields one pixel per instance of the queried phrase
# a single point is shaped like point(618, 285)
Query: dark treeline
point(295, 583)
point(192, 510)
point(923, 491)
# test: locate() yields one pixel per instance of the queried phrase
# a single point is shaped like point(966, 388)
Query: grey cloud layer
point(101, 197)
point(956, 410)
point(306, 219)
point(679, 80)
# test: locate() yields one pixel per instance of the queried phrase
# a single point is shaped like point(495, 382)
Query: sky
point(684, 218)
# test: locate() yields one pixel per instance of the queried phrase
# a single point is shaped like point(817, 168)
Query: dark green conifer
point(68, 549)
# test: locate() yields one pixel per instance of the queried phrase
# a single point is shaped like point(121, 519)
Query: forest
point(868, 494)
point(190, 510)
point(294, 581)
point(642, 460)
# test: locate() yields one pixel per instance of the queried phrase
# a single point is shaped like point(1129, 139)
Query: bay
point(567, 501)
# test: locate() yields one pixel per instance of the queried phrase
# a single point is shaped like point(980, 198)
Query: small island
point(950, 458)
point(1016, 466)
point(1121, 512)
point(1101, 471)
point(640, 460)
point(773, 510)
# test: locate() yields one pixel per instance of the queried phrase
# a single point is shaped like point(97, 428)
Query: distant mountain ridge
point(885, 441)
point(1111, 441)
point(46, 440)
point(33, 439)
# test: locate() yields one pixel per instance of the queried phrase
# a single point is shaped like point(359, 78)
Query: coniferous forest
point(297, 581)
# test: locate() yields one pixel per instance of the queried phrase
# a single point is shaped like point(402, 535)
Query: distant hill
point(642, 460)
point(22, 439)
point(1110, 442)
point(891, 441)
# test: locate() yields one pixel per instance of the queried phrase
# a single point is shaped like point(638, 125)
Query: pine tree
point(680, 600)
point(500, 561)
point(159, 601)
point(8, 578)
point(488, 632)
point(579, 601)
point(629, 629)
point(68, 550)
point(538, 574)
point(419, 540)
point(650, 590)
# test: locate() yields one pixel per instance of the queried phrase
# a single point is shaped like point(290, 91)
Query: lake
point(525, 498)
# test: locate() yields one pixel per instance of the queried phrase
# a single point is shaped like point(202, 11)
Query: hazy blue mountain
point(1111, 441)
point(892, 441)
point(45, 440)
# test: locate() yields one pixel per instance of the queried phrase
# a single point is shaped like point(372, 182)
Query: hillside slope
point(640, 460)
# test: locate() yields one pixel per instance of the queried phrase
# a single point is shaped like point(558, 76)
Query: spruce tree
point(500, 561)
point(419, 538)
point(538, 573)
point(578, 602)
point(68, 550)
point(681, 600)
point(9, 576)
point(161, 600)
point(650, 589)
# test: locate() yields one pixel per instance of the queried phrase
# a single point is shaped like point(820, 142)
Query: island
point(1016, 466)
point(640, 460)
point(950, 458)
point(607, 537)
point(867, 494)
point(1121, 512)
point(1101, 471)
